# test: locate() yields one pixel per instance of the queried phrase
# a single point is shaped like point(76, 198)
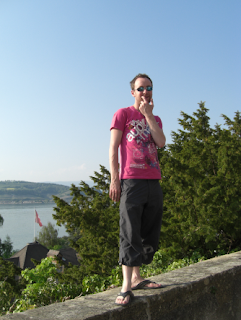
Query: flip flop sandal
point(142, 285)
point(124, 294)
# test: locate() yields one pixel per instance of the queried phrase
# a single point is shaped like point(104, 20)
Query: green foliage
point(48, 237)
point(201, 183)
point(163, 262)
point(6, 248)
point(98, 283)
point(62, 243)
point(11, 285)
point(43, 287)
point(93, 220)
point(72, 274)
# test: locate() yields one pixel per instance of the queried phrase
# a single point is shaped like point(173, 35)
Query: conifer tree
point(48, 236)
point(92, 218)
point(1, 223)
point(201, 184)
point(11, 284)
point(6, 248)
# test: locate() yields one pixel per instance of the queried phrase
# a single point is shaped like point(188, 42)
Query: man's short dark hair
point(140, 75)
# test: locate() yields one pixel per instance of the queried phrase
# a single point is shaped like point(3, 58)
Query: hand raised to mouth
point(146, 107)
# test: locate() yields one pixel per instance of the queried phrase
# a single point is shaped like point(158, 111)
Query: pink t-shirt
point(138, 152)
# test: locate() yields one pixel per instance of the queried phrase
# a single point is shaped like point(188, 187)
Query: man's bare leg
point(126, 285)
point(136, 279)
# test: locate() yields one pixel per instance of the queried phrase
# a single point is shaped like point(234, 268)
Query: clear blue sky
point(65, 68)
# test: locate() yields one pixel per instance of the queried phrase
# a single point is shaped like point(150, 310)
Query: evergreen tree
point(11, 284)
point(1, 223)
point(48, 236)
point(6, 248)
point(93, 220)
point(201, 184)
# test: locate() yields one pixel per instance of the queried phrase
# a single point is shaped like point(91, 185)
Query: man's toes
point(154, 285)
point(121, 300)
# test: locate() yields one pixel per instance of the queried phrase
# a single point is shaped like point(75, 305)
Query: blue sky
point(65, 68)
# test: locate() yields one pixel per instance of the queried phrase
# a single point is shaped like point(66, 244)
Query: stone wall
point(208, 290)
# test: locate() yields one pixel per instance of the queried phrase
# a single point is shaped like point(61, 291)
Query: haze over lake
point(19, 222)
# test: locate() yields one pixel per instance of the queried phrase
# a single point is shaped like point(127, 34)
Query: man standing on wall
point(136, 184)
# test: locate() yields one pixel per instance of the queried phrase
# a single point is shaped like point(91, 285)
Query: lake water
point(19, 221)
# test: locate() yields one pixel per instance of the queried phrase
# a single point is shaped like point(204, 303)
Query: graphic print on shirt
point(143, 146)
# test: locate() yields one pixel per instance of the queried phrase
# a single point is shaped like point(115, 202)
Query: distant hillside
point(31, 192)
point(69, 183)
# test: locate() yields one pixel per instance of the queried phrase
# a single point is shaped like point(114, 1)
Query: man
point(136, 184)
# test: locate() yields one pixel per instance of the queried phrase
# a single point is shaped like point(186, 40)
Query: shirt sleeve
point(119, 120)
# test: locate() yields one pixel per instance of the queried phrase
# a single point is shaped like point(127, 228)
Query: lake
point(19, 221)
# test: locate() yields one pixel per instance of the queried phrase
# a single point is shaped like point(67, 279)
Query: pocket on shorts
point(126, 185)
point(130, 186)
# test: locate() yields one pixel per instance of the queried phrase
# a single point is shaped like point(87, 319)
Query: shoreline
point(33, 201)
point(25, 202)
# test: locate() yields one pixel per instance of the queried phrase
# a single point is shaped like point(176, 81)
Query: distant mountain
point(12, 191)
point(76, 183)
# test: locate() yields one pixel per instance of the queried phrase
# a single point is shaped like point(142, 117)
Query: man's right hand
point(115, 191)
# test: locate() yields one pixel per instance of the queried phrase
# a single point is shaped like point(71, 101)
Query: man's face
point(142, 82)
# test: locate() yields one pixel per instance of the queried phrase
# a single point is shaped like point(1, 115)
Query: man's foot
point(124, 298)
point(146, 284)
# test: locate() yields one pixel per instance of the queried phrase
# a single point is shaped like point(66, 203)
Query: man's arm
point(156, 132)
point(115, 140)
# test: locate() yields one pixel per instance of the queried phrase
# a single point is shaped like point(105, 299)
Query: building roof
point(14, 260)
point(67, 255)
point(32, 250)
point(38, 252)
